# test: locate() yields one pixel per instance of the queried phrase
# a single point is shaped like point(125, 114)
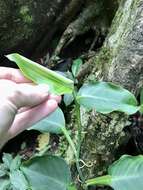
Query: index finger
point(14, 75)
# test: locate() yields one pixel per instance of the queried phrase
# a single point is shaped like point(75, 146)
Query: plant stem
point(71, 143)
point(103, 180)
point(78, 117)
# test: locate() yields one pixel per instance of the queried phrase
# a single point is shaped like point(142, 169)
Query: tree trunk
point(34, 24)
point(120, 60)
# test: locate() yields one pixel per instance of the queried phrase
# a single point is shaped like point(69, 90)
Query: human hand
point(22, 103)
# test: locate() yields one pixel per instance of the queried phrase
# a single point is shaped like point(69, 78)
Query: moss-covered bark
point(124, 45)
point(23, 24)
point(120, 60)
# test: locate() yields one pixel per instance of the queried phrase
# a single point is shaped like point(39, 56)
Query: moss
point(103, 57)
point(25, 14)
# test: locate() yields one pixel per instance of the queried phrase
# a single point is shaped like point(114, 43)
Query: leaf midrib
point(104, 99)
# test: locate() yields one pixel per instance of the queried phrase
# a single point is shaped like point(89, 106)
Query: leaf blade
point(76, 66)
point(58, 84)
point(52, 173)
point(51, 124)
point(107, 97)
point(124, 174)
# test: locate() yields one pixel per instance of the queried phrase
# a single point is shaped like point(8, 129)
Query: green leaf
point(52, 124)
point(18, 180)
point(71, 187)
point(124, 174)
point(57, 83)
point(107, 97)
point(7, 159)
point(141, 109)
point(76, 66)
point(3, 170)
point(141, 96)
point(47, 173)
point(68, 99)
point(4, 184)
point(15, 164)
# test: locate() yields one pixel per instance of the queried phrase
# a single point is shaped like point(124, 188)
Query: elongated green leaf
point(47, 173)
point(58, 84)
point(106, 97)
point(51, 124)
point(124, 174)
point(76, 66)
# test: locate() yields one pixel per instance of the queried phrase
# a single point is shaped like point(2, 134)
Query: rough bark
point(120, 60)
point(30, 26)
point(23, 24)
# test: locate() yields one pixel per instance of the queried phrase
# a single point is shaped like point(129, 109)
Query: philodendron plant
point(52, 173)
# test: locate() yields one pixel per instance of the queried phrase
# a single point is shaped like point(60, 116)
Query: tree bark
point(120, 60)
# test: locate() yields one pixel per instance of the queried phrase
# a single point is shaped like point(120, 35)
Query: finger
point(52, 97)
point(26, 95)
point(27, 119)
point(7, 115)
point(55, 97)
point(13, 74)
point(23, 109)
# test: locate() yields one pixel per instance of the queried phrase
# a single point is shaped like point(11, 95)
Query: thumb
point(29, 95)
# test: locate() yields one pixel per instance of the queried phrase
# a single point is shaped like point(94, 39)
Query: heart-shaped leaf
point(51, 124)
point(57, 83)
point(106, 97)
point(124, 174)
point(47, 173)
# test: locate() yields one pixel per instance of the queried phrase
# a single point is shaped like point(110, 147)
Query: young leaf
point(124, 174)
point(18, 180)
point(52, 124)
point(47, 172)
point(7, 159)
point(4, 184)
point(3, 170)
point(57, 83)
point(107, 97)
point(76, 66)
point(68, 99)
point(15, 164)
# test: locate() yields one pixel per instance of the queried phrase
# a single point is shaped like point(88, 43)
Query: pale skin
point(22, 103)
